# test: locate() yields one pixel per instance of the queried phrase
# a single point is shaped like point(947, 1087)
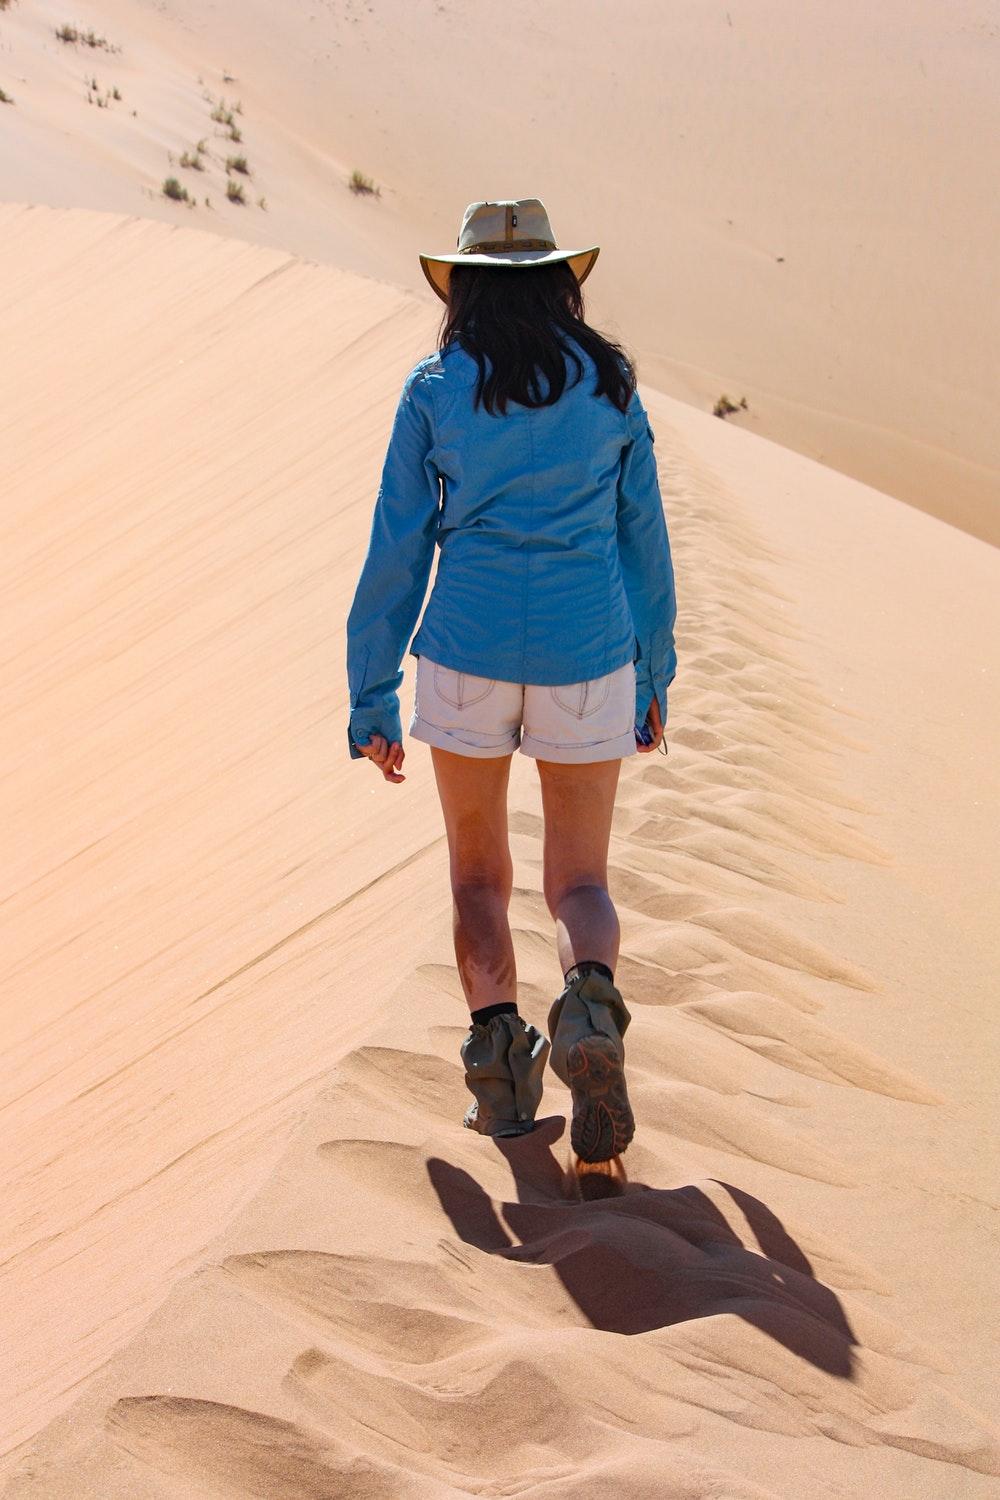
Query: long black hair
point(525, 320)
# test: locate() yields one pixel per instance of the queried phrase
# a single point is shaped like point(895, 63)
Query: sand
point(796, 205)
point(248, 1249)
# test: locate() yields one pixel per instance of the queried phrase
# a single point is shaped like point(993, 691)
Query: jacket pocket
point(583, 698)
point(460, 689)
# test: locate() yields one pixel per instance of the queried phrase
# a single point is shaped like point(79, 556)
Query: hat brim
point(437, 268)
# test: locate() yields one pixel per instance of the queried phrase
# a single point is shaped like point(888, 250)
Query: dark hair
point(526, 321)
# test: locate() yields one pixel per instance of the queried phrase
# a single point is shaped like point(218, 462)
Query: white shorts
point(579, 721)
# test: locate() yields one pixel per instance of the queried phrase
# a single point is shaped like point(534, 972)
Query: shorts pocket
point(582, 698)
point(460, 689)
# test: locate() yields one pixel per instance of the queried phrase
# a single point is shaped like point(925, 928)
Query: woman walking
point(521, 448)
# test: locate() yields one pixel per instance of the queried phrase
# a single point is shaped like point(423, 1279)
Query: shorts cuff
point(615, 748)
point(446, 739)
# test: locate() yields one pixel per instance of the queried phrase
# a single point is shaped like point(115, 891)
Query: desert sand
point(249, 1250)
point(795, 204)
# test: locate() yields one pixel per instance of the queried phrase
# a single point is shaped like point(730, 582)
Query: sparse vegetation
point(94, 95)
point(224, 113)
point(67, 33)
point(361, 184)
point(724, 406)
point(174, 189)
point(5, 98)
point(193, 158)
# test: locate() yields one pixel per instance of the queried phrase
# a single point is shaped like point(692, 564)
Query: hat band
point(486, 245)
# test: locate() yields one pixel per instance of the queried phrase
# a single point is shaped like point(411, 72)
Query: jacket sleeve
point(647, 566)
point(396, 568)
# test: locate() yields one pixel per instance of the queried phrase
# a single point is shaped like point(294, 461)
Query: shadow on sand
point(634, 1257)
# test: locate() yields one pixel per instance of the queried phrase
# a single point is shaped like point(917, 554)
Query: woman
point(521, 448)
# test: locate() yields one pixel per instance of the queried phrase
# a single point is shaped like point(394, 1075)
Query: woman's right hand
point(656, 727)
point(388, 758)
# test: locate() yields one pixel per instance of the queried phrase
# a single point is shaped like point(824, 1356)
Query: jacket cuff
point(362, 725)
point(649, 684)
point(643, 696)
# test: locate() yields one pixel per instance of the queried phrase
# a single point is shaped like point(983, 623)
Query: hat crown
point(506, 224)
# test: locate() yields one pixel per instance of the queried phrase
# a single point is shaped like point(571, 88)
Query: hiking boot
point(586, 1024)
point(504, 1063)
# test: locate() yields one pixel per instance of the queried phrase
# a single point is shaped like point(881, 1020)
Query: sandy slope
point(795, 202)
point(231, 1002)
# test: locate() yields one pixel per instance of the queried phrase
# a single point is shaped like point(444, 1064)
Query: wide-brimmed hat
point(513, 232)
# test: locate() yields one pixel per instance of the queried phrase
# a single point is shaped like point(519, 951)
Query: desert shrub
point(237, 164)
point(724, 406)
point(174, 189)
point(234, 192)
point(361, 184)
point(67, 33)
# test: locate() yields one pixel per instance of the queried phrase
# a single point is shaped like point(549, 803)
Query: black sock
point(480, 1017)
point(585, 966)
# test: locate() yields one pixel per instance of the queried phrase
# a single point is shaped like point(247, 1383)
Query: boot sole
point(603, 1123)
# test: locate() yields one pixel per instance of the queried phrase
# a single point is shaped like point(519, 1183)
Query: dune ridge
point(305, 1278)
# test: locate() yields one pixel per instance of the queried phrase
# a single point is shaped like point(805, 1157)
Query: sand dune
point(794, 203)
point(250, 1251)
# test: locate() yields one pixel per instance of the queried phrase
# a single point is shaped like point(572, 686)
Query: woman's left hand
point(387, 757)
point(655, 723)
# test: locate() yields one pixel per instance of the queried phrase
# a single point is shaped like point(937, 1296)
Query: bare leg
point(579, 805)
point(473, 793)
point(578, 802)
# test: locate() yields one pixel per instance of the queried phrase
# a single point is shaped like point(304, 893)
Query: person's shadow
point(634, 1257)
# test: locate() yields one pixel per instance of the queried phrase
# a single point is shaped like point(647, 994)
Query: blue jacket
point(555, 565)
